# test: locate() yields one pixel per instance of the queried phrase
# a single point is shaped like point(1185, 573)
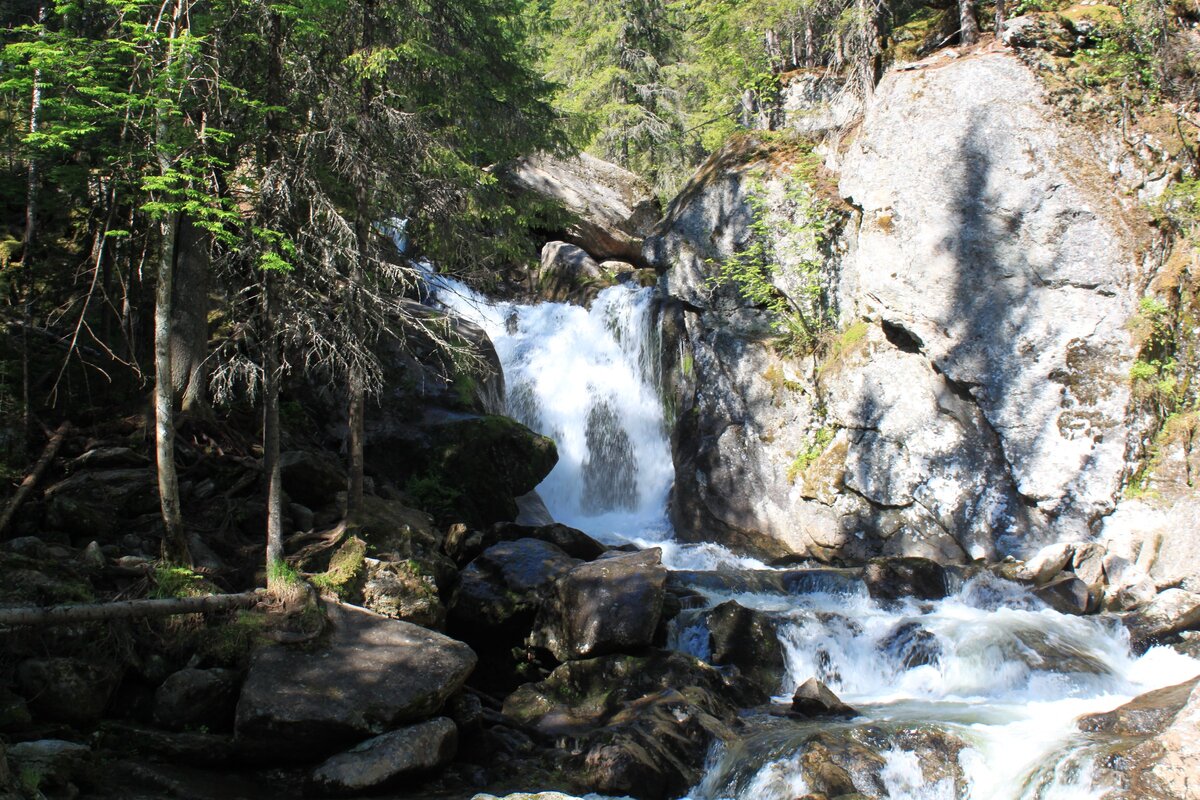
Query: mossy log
point(124, 609)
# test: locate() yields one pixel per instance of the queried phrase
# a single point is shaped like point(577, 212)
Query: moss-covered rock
point(485, 463)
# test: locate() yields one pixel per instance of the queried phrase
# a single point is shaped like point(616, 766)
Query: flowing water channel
point(973, 697)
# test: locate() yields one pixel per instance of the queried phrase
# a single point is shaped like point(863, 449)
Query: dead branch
point(56, 440)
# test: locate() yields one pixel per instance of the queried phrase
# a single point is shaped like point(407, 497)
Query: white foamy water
point(589, 379)
point(989, 675)
point(1001, 675)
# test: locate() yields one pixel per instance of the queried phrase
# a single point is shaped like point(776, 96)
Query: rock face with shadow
point(970, 395)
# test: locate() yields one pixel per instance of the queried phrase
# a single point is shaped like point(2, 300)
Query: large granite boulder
point(371, 675)
point(972, 398)
point(567, 274)
point(613, 208)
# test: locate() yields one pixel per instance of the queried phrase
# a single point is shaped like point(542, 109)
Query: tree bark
point(968, 27)
point(174, 545)
point(271, 436)
point(1000, 11)
point(125, 609)
point(34, 476)
point(27, 241)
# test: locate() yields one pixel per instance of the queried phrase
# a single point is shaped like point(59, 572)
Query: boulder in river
point(383, 761)
point(637, 725)
point(892, 578)
point(1156, 744)
point(372, 674)
point(611, 605)
point(567, 274)
point(747, 639)
point(1157, 621)
point(814, 699)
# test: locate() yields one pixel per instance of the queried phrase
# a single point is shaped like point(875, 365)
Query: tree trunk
point(174, 544)
point(271, 436)
point(189, 318)
point(968, 27)
point(1000, 10)
point(27, 243)
point(125, 609)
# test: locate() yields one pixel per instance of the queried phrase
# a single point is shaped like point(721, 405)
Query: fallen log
point(56, 440)
point(125, 609)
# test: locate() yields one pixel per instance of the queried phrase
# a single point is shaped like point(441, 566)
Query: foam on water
point(990, 667)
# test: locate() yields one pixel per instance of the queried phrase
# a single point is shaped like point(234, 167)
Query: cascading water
point(987, 683)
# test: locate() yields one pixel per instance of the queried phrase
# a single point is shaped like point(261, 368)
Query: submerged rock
point(372, 674)
point(380, 762)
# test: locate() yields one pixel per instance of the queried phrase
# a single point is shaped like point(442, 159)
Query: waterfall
point(989, 672)
point(587, 379)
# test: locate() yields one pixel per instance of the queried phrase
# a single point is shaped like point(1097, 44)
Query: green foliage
point(1157, 375)
point(282, 574)
point(810, 453)
point(430, 493)
point(171, 581)
point(791, 236)
point(844, 344)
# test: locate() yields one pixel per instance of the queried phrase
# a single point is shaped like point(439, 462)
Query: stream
point(973, 697)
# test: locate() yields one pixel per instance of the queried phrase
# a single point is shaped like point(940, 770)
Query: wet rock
point(613, 207)
point(1165, 764)
point(1048, 562)
point(814, 699)
point(402, 590)
point(1156, 622)
point(606, 606)
point(638, 726)
point(466, 709)
point(197, 698)
point(384, 760)
point(1067, 594)
point(310, 478)
point(67, 689)
point(569, 275)
point(746, 639)
point(909, 646)
point(372, 674)
point(892, 578)
point(1144, 715)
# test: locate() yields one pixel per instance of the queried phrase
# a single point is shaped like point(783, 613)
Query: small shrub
point(805, 458)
